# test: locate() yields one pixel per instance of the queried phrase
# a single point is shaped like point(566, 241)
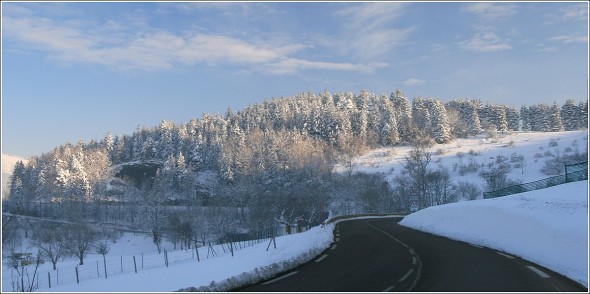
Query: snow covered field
point(548, 227)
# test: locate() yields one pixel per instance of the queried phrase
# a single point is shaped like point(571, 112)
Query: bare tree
point(103, 248)
point(467, 190)
point(52, 244)
point(80, 239)
point(416, 168)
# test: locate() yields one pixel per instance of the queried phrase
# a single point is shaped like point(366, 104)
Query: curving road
point(374, 255)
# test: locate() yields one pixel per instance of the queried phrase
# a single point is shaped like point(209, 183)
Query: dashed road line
point(413, 259)
point(388, 288)
point(475, 245)
point(337, 239)
point(333, 247)
point(538, 271)
point(321, 258)
point(505, 255)
point(406, 275)
point(280, 278)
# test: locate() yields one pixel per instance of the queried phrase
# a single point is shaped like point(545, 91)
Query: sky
point(76, 71)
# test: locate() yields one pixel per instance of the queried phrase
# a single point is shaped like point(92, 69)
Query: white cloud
point(414, 82)
point(490, 10)
point(575, 12)
point(485, 42)
point(291, 65)
point(571, 39)
point(368, 29)
point(156, 50)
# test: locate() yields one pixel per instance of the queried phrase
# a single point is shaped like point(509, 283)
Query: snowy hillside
point(478, 151)
point(8, 162)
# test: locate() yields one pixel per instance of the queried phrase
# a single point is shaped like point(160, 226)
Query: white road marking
point(334, 246)
point(505, 255)
point(337, 239)
point(411, 251)
point(413, 259)
point(280, 278)
point(538, 272)
point(475, 245)
point(407, 275)
point(389, 289)
point(321, 258)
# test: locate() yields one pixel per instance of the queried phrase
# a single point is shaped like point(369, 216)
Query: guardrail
point(573, 173)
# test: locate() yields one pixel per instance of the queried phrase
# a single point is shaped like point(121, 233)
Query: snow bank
point(221, 273)
point(548, 227)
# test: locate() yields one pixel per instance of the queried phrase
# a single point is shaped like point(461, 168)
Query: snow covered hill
point(465, 157)
point(8, 162)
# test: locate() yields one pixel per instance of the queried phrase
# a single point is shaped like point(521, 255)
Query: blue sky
point(74, 71)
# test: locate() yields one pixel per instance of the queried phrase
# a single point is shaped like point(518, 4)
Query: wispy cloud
point(369, 31)
point(490, 10)
point(156, 49)
point(485, 42)
point(570, 39)
point(414, 82)
point(575, 12)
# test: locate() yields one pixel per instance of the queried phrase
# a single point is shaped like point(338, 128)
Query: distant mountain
point(8, 162)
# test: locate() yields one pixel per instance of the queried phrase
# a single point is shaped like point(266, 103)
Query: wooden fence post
point(77, 277)
point(49, 279)
point(134, 264)
point(104, 260)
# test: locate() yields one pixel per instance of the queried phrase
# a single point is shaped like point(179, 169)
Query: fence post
point(49, 279)
point(142, 260)
point(104, 260)
point(197, 249)
point(121, 263)
point(57, 278)
point(134, 264)
point(77, 278)
point(166, 257)
point(231, 246)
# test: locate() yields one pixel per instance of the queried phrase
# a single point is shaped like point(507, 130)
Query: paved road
point(374, 255)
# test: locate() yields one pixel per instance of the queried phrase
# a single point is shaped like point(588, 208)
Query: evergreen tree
point(555, 121)
point(525, 119)
point(569, 114)
point(513, 118)
point(403, 113)
point(440, 124)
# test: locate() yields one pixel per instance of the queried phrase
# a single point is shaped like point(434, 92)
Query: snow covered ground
point(535, 147)
point(548, 227)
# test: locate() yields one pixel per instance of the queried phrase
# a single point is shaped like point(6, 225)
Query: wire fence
point(111, 265)
point(573, 173)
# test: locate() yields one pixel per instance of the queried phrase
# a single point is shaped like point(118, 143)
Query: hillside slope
point(477, 152)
